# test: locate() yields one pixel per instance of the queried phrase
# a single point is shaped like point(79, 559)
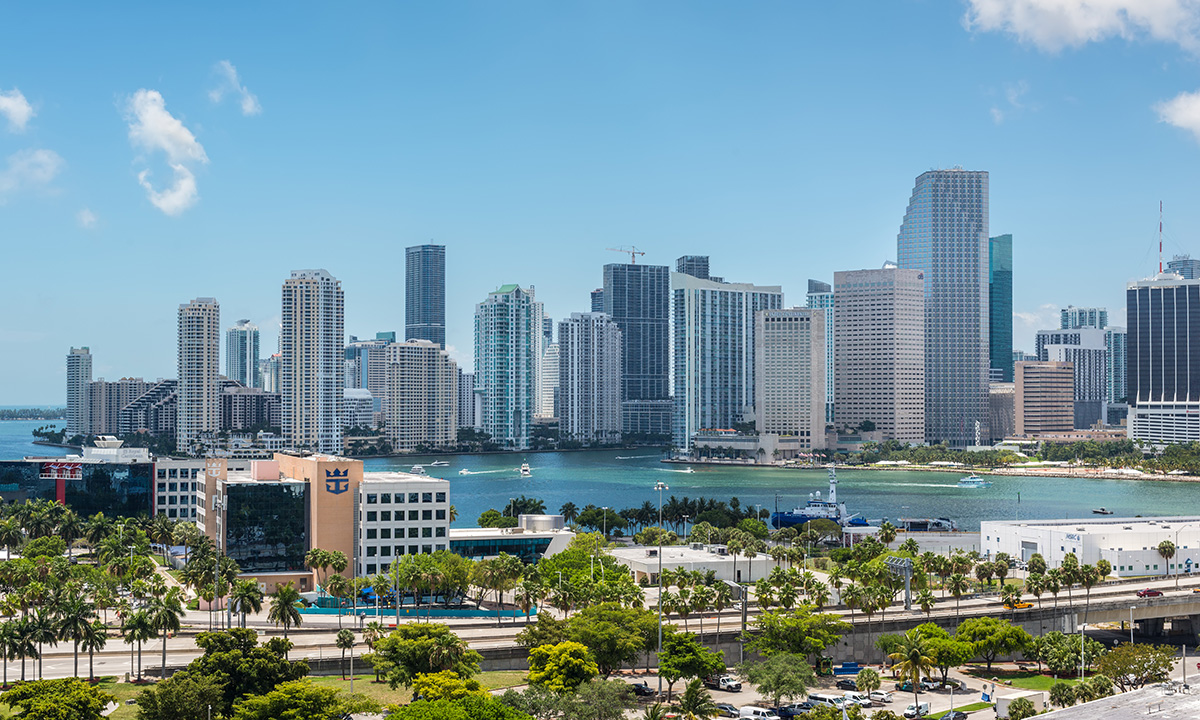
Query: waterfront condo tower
point(789, 380)
point(638, 299)
point(425, 293)
point(241, 354)
point(589, 379)
point(198, 404)
point(945, 236)
point(820, 296)
point(79, 377)
point(312, 364)
point(506, 362)
point(422, 396)
point(1163, 320)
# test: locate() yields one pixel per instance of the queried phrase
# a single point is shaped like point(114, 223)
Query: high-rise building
point(244, 408)
point(366, 365)
point(589, 378)
point(154, 412)
point(466, 399)
point(241, 354)
point(1185, 267)
point(425, 293)
point(107, 399)
point(1044, 396)
point(506, 340)
point(358, 409)
point(820, 296)
point(879, 317)
point(598, 300)
point(537, 325)
point(694, 265)
point(422, 389)
point(1000, 307)
point(1116, 347)
point(945, 236)
point(1163, 321)
point(638, 299)
point(268, 370)
point(1072, 317)
point(312, 368)
point(714, 352)
point(1003, 408)
point(789, 377)
point(1085, 347)
point(199, 403)
point(79, 378)
point(547, 398)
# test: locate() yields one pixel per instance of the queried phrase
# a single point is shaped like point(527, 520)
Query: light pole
point(685, 519)
point(660, 487)
point(1082, 638)
point(1177, 552)
point(512, 506)
point(1131, 609)
point(605, 523)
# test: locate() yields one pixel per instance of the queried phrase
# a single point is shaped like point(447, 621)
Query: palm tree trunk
point(76, 658)
point(91, 666)
point(139, 671)
point(162, 675)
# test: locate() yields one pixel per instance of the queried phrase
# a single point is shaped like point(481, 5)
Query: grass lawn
point(385, 695)
point(966, 708)
point(1020, 679)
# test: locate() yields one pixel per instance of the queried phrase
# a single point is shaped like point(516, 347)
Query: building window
point(370, 551)
point(414, 497)
point(413, 515)
point(426, 514)
point(385, 550)
point(162, 487)
point(385, 516)
point(441, 514)
point(385, 498)
point(412, 532)
point(428, 532)
point(172, 487)
point(370, 533)
point(371, 569)
point(427, 497)
point(371, 515)
point(371, 498)
point(441, 547)
point(426, 548)
point(441, 531)
point(399, 550)
point(400, 498)
point(441, 497)
point(385, 533)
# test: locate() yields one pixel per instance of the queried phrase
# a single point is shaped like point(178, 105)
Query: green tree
point(445, 685)
point(493, 519)
point(912, 661)
point(472, 707)
point(246, 597)
point(697, 702)
point(344, 642)
point(1166, 550)
point(615, 635)
point(992, 637)
point(799, 631)
point(93, 640)
point(67, 699)
point(283, 607)
point(1133, 665)
point(301, 700)
point(74, 620)
point(780, 676)
point(684, 657)
point(1062, 694)
point(410, 651)
point(165, 613)
point(1020, 709)
point(183, 696)
point(598, 700)
point(138, 629)
point(245, 668)
point(868, 680)
point(561, 668)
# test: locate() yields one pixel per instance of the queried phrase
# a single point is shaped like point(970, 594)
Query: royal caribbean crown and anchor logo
point(337, 481)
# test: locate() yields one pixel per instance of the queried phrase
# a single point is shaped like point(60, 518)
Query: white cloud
point(1055, 24)
point(1013, 94)
point(152, 128)
point(16, 108)
point(87, 219)
point(29, 169)
point(230, 83)
point(1182, 111)
point(997, 115)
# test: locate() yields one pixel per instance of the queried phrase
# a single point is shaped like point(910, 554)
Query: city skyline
point(667, 145)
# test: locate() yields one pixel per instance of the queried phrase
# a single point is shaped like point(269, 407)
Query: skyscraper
point(879, 317)
point(199, 395)
point(1185, 267)
point(366, 365)
point(638, 299)
point(1163, 320)
point(789, 379)
point(1000, 308)
point(1115, 345)
point(714, 352)
point(694, 265)
point(598, 300)
point(466, 399)
point(312, 367)
point(589, 378)
point(79, 378)
point(820, 295)
point(241, 354)
point(945, 236)
point(1072, 317)
point(506, 340)
point(107, 399)
point(547, 397)
point(422, 390)
point(425, 293)
point(1043, 397)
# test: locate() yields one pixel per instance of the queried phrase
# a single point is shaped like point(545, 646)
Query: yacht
point(818, 509)
point(418, 470)
point(1102, 511)
point(973, 481)
point(439, 463)
point(525, 472)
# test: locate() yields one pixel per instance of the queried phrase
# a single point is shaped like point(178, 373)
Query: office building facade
point(1003, 408)
point(425, 293)
point(422, 396)
point(1085, 347)
point(1000, 308)
point(880, 320)
point(312, 367)
point(820, 296)
point(598, 300)
point(638, 299)
point(945, 236)
point(199, 367)
point(244, 409)
point(1185, 267)
point(1163, 321)
point(694, 265)
point(506, 359)
point(589, 378)
point(79, 378)
point(1044, 396)
point(466, 399)
point(107, 399)
point(548, 396)
point(1116, 352)
point(1071, 318)
point(789, 377)
point(241, 354)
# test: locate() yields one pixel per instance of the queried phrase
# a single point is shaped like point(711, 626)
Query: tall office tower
point(547, 407)
point(505, 362)
point(536, 324)
point(107, 399)
point(466, 399)
point(1086, 348)
point(598, 300)
point(714, 352)
point(1163, 321)
point(79, 377)
point(638, 299)
point(422, 389)
point(945, 236)
point(879, 317)
point(547, 332)
point(366, 365)
point(1072, 317)
point(789, 378)
point(199, 406)
point(1044, 397)
point(1000, 308)
point(589, 378)
point(241, 354)
point(425, 293)
point(694, 265)
point(1115, 346)
point(268, 370)
point(312, 371)
point(820, 295)
point(1185, 267)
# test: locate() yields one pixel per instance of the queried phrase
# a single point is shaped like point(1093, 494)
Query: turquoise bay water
point(16, 441)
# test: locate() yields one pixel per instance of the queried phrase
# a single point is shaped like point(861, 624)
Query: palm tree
point(958, 585)
point(1166, 550)
point(722, 598)
point(1089, 577)
point(912, 660)
point(569, 512)
point(447, 650)
point(138, 629)
point(94, 639)
point(654, 712)
point(887, 533)
point(1036, 585)
point(248, 597)
point(926, 601)
point(696, 702)
point(283, 607)
point(74, 619)
point(45, 632)
point(10, 534)
point(8, 643)
point(165, 613)
point(162, 531)
point(338, 586)
point(345, 641)
point(24, 642)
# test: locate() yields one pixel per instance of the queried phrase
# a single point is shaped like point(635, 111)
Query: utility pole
point(660, 487)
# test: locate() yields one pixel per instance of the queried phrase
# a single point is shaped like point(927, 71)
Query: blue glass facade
point(116, 489)
point(1000, 306)
point(425, 293)
point(267, 525)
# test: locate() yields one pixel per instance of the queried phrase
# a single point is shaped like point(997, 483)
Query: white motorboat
point(418, 470)
point(439, 463)
point(973, 481)
point(525, 471)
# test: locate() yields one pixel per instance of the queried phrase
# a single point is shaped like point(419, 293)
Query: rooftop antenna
point(1160, 237)
point(632, 250)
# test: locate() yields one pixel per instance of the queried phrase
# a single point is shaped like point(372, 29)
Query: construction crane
point(632, 250)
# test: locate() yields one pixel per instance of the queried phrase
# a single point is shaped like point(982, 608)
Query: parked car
point(857, 698)
point(793, 710)
point(641, 689)
point(955, 715)
point(728, 683)
point(917, 710)
point(906, 687)
point(1149, 592)
point(751, 711)
point(928, 684)
point(882, 696)
point(846, 684)
point(727, 710)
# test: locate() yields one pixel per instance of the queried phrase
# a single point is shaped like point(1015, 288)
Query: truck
point(720, 681)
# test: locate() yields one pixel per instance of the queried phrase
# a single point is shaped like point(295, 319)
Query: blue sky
point(154, 153)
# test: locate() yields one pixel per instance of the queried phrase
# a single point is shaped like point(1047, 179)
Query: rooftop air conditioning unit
point(652, 553)
point(722, 550)
point(697, 546)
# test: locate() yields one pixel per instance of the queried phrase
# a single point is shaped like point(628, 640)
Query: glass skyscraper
point(1163, 340)
point(241, 354)
point(1000, 309)
point(425, 293)
point(820, 295)
point(637, 298)
point(507, 356)
point(945, 236)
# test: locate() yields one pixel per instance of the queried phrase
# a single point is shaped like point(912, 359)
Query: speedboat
point(688, 470)
point(439, 463)
point(973, 481)
point(418, 470)
point(525, 472)
point(464, 471)
point(1101, 511)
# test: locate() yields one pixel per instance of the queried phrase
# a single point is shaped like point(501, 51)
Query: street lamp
point(1082, 666)
point(605, 521)
point(1131, 609)
point(1177, 552)
point(660, 486)
point(685, 519)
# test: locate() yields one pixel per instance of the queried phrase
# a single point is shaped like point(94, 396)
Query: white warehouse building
point(1129, 544)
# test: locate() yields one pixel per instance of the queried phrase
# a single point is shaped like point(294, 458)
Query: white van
point(833, 701)
point(917, 711)
point(749, 711)
point(857, 698)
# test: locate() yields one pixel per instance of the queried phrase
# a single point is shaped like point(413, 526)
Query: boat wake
point(482, 472)
point(634, 457)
